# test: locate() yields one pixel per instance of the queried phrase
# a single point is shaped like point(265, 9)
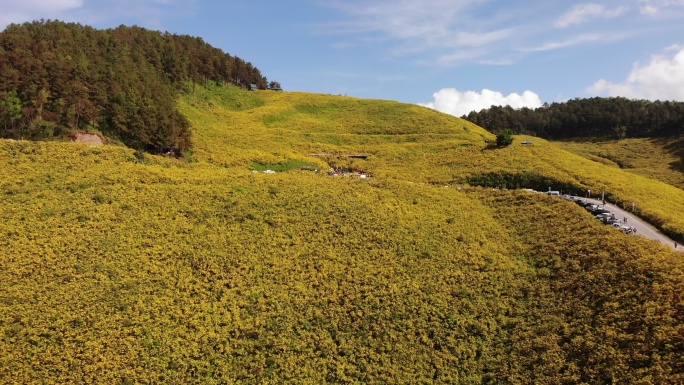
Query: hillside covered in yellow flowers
point(119, 267)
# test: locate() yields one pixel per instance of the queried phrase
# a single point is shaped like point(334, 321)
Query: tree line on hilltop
point(615, 117)
point(57, 78)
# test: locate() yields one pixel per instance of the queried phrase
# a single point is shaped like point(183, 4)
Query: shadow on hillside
point(491, 145)
point(673, 147)
point(584, 139)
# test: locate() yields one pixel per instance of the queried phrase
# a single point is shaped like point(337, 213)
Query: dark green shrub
point(504, 138)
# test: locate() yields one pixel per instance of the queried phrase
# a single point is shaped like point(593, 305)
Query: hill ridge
point(59, 78)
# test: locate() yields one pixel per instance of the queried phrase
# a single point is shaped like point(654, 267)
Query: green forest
point(614, 117)
point(57, 78)
point(307, 238)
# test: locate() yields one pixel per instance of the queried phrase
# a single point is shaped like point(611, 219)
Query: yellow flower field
point(117, 268)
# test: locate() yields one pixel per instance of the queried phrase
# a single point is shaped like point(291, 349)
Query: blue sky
point(452, 55)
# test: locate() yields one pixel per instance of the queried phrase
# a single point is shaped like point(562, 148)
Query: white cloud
point(406, 19)
point(581, 13)
point(449, 33)
point(662, 78)
point(649, 10)
point(600, 38)
point(457, 103)
point(572, 41)
point(479, 39)
point(650, 7)
point(416, 26)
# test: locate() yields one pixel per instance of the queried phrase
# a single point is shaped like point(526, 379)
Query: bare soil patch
point(81, 137)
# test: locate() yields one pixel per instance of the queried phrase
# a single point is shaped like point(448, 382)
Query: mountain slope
point(405, 142)
point(118, 267)
point(59, 78)
point(655, 158)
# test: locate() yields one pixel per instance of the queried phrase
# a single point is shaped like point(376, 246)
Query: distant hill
point(660, 158)
point(615, 118)
point(57, 78)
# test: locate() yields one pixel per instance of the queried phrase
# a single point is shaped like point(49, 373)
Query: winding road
point(643, 228)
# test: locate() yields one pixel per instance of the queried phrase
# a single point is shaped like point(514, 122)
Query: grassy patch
point(229, 97)
point(291, 164)
point(656, 158)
